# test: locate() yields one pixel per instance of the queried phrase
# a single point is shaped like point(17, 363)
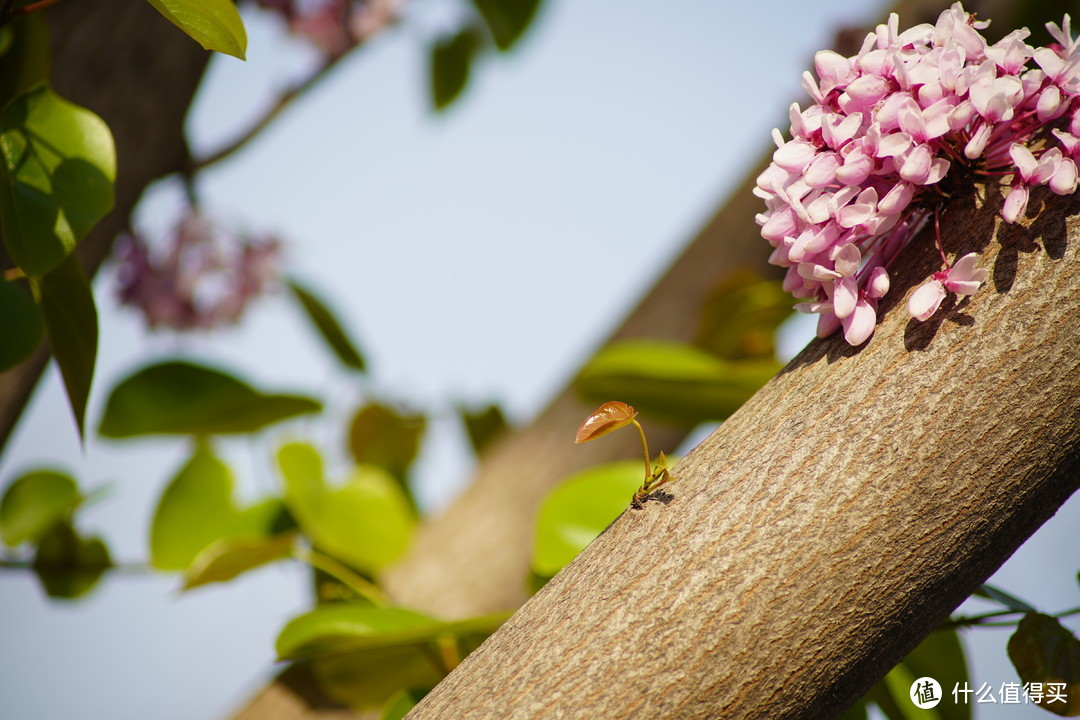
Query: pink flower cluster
point(334, 26)
point(197, 283)
point(892, 131)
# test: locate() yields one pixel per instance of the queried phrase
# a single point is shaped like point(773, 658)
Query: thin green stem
point(362, 587)
point(645, 449)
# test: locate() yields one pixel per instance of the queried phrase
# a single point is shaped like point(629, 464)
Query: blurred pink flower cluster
point(204, 280)
point(914, 116)
point(334, 26)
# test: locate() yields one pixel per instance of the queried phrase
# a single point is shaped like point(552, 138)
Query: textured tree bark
point(139, 73)
point(832, 522)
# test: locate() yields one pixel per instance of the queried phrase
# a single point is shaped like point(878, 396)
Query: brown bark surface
point(832, 522)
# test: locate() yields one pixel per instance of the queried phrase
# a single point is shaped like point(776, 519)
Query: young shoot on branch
point(611, 416)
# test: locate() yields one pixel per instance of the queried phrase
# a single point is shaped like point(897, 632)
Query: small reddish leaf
point(609, 417)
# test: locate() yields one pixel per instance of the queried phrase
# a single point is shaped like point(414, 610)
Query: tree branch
point(830, 524)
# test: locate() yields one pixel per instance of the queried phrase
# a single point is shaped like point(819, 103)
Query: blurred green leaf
point(226, 558)
point(343, 627)
point(34, 503)
point(67, 304)
point(740, 317)
point(579, 509)
point(672, 380)
point(197, 509)
point(328, 327)
point(214, 24)
point(180, 398)
point(380, 435)
point(367, 680)
point(483, 425)
point(507, 19)
point(449, 64)
point(939, 656)
point(1000, 596)
point(26, 59)
point(362, 655)
point(401, 702)
point(68, 565)
point(56, 177)
point(20, 325)
point(855, 712)
point(1043, 651)
point(367, 521)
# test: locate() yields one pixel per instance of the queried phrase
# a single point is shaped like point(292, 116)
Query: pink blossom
point(860, 175)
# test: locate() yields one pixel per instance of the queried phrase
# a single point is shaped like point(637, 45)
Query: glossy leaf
point(483, 426)
point(214, 24)
point(675, 381)
point(327, 326)
point(380, 435)
point(181, 398)
point(449, 64)
point(740, 317)
point(197, 508)
point(1000, 596)
point(401, 702)
point(229, 557)
point(56, 177)
point(366, 521)
point(939, 656)
point(68, 565)
point(1044, 651)
point(21, 325)
point(27, 58)
point(607, 418)
point(34, 503)
point(507, 19)
point(67, 304)
point(578, 510)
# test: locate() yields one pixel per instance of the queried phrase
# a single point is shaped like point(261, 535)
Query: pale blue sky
point(458, 248)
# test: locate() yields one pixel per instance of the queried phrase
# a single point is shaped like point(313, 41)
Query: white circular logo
point(925, 693)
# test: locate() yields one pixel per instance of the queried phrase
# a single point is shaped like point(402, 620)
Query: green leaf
point(1043, 651)
point(380, 435)
point(337, 628)
point(225, 559)
point(740, 317)
point(1000, 596)
point(367, 680)
point(68, 565)
point(56, 178)
point(367, 521)
point(855, 712)
point(180, 398)
point(67, 304)
point(20, 325)
point(341, 627)
point(363, 655)
point(483, 425)
point(197, 509)
point(579, 509)
point(449, 65)
point(34, 503)
point(26, 59)
point(939, 656)
point(507, 19)
point(401, 702)
point(675, 381)
point(328, 327)
point(214, 24)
